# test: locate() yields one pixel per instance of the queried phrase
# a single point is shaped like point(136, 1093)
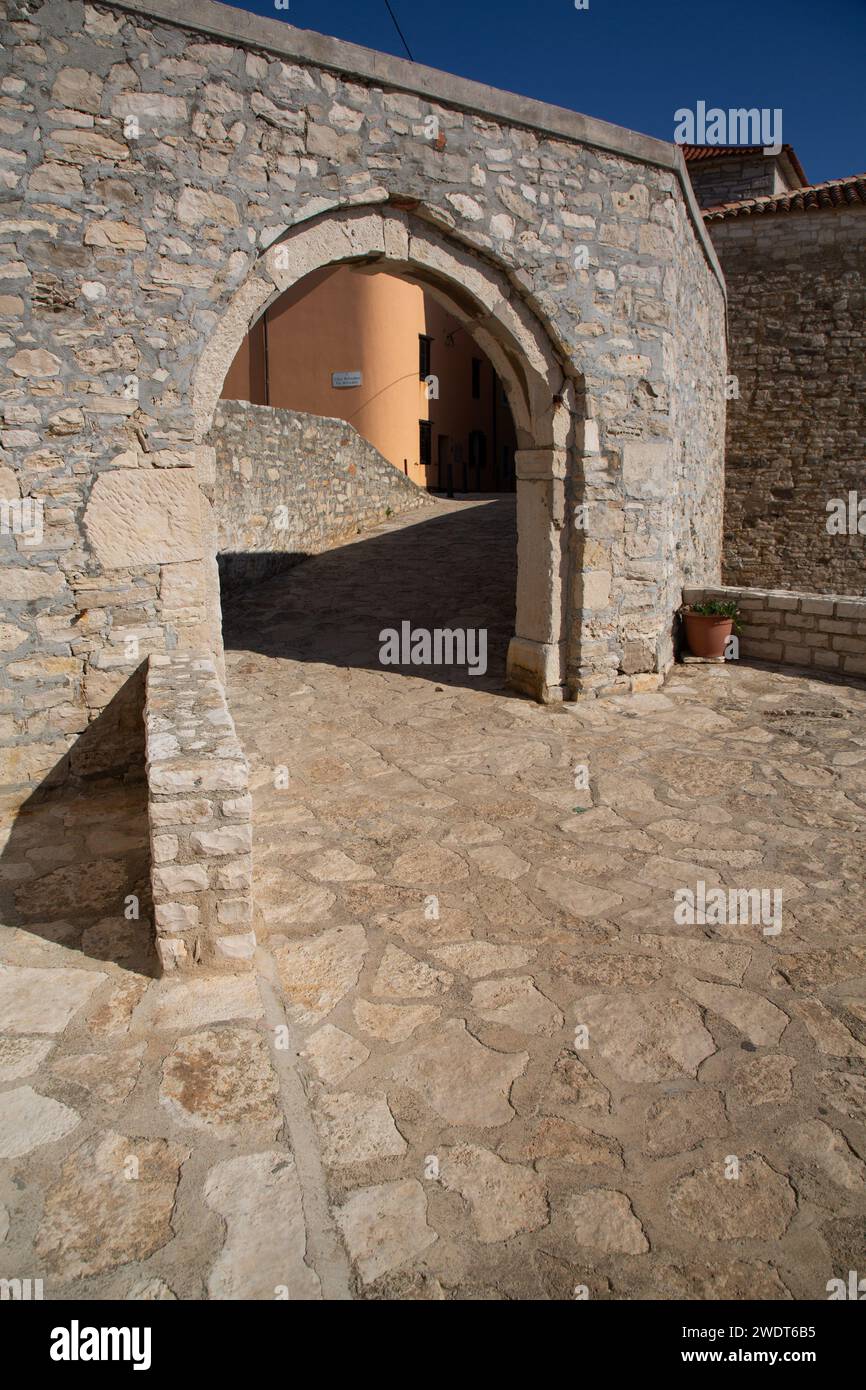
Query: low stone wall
point(290, 484)
point(200, 817)
point(819, 630)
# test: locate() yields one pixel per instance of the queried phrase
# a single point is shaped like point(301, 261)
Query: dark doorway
point(477, 458)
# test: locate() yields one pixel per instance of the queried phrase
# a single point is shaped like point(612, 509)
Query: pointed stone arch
point(544, 394)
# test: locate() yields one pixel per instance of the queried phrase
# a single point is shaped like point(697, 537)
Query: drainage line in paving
point(324, 1249)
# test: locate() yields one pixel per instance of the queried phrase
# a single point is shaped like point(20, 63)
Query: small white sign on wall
point(343, 379)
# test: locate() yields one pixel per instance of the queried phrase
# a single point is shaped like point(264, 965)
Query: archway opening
point(545, 399)
point(363, 432)
point(382, 353)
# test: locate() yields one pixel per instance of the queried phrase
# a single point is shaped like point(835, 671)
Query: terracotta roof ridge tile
point(831, 193)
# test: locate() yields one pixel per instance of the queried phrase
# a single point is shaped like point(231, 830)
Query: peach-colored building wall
point(346, 320)
point(458, 414)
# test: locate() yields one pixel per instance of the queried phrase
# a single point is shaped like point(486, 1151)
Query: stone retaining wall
point(200, 816)
point(820, 630)
point(289, 484)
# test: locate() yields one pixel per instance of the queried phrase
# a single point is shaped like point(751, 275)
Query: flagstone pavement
point(479, 1057)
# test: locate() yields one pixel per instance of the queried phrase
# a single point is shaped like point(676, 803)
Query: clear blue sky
point(634, 62)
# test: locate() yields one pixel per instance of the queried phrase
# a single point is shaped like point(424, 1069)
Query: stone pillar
point(650, 560)
point(535, 653)
point(597, 532)
point(200, 816)
point(622, 565)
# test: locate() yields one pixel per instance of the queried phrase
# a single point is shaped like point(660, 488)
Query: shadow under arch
point(332, 609)
point(545, 394)
point(75, 866)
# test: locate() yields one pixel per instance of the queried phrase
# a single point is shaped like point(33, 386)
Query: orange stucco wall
point(345, 320)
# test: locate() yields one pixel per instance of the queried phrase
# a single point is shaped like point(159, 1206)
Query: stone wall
point(796, 437)
point(654, 515)
point(290, 484)
point(200, 818)
point(698, 427)
point(824, 631)
point(726, 180)
point(157, 158)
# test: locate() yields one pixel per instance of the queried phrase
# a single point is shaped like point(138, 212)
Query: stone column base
point(535, 669)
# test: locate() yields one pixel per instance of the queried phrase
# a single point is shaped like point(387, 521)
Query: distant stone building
point(794, 259)
point(730, 173)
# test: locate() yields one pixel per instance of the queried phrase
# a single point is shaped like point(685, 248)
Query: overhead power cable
point(399, 31)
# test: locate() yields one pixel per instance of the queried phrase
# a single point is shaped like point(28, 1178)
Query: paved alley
point(483, 1055)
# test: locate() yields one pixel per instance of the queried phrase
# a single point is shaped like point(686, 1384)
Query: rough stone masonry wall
point(726, 180)
point(819, 630)
point(200, 817)
point(146, 166)
point(290, 484)
point(698, 426)
point(796, 437)
point(655, 499)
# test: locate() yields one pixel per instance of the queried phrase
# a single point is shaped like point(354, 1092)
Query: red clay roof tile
point(834, 193)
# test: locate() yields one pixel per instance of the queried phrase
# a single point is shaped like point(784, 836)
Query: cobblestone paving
point(481, 1057)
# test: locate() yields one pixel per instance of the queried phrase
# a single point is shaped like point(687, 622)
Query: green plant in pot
point(709, 626)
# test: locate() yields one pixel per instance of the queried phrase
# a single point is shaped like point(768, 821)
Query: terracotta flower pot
point(707, 633)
